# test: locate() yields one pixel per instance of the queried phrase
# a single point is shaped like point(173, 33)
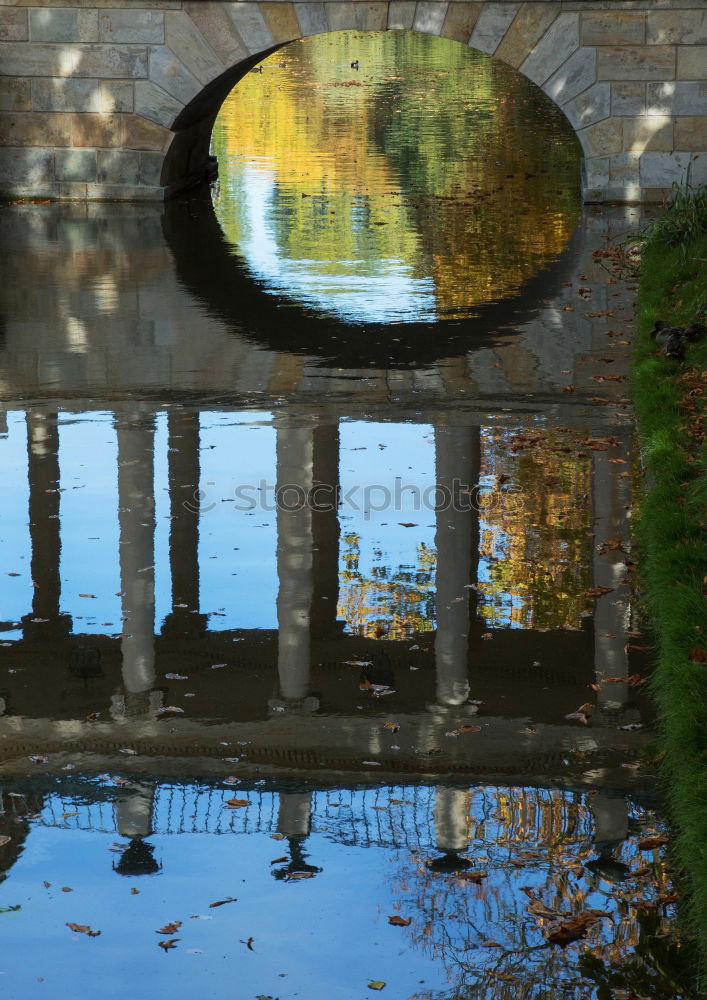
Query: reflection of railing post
point(294, 451)
point(136, 514)
point(133, 819)
point(183, 481)
point(325, 530)
point(610, 497)
point(457, 457)
point(44, 526)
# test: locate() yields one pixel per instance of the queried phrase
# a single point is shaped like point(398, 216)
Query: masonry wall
point(116, 98)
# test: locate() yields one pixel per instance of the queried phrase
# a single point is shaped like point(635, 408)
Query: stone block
point(613, 28)
point(624, 169)
point(14, 25)
point(589, 107)
point(602, 139)
point(632, 62)
point(120, 62)
point(492, 24)
point(529, 25)
point(460, 20)
point(578, 73)
point(60, 94)
point(123, 192)
point(140, 133)
point(63, 25)
point(118, 166)
point(169, 73)
point(282, 20)
point(35, 128)
point(685, 27)
point(663, 169)
point(156, 104)
point(401, 14)
point(151, 168)
point(692, 62)
point(628, 98)
point(132, 25)
point(77, 165)
point(116, 95)
point(691, 134)
point(100, 130)
point(654, 132)
point(557, 44)
point(250, 24)
point(312, 18)
point(15, 94)
point(429, 17)
point(187, 43)
point(677, 98)
point(358, 14)
point(595, 172)
point(36, 60)
point(30, 167)
point(218, 29)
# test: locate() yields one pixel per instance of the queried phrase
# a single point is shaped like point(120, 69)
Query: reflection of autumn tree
point(419, 158)
point(532, 845)
point(534, 537)
point(395, 602)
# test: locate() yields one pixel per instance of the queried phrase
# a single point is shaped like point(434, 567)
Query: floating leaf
point(376, 985)
point(397, 921)
point(236, 803)
point(649, 843)
point(4, 840)
point(170, 928)
point(463, 729)
point(222, 902)
point(83, 929)
point(168, 945)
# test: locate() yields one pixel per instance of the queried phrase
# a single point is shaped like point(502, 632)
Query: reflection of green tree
point(422, 157)
point(396, 602)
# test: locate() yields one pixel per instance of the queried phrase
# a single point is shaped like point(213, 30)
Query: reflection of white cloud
point(393, 295)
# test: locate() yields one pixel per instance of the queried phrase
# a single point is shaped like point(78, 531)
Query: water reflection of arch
point(209, 268)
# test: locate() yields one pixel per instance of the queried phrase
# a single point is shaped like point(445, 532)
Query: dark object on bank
point(674, 338)
point(354, 64)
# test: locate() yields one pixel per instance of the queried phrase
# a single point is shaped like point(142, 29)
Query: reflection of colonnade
point(307, 467)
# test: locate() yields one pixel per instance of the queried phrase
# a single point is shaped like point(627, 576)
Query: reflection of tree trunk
point(457, 456)
point(325, 530)
point(183, 478)
point(44, 525)
point(294, 558)
point(136, 513)
point(610, 495)
point(451, 818)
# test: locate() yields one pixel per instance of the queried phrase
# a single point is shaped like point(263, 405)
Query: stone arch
point(537, 39)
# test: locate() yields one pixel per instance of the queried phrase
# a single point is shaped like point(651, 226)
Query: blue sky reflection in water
point(427, 182)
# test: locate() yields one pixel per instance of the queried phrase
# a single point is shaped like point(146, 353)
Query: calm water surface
point(351, 705)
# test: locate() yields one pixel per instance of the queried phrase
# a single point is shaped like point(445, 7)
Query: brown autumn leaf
point(649, 843)
point(277, 836)
point(83, 929)
point(407, 524)
point(222, 902)
point(4, 840)
point(134, 892)
point(236, 803)
point(538, 909)
point(168, 945)
point(278, 861)
point(596, 591)
point(171, 928)
point(397, 921)
point(88, 595)
point(92, 716)
point(377, 984)
point(698, 655)
point(475, 877)
point(463, 729)
point(298, 876)
point(392, 726)
point(573, 928)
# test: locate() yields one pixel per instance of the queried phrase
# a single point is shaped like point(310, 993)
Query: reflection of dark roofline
point(212, 271)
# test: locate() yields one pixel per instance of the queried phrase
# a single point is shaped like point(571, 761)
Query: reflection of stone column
point(294, 560)
point(295, 813)
point(136, 513)
point(610, 818)
point(325, 530)
point(183, 477)
point(44, 525)
point(610, 496)
point(133, 819)
point(451, 819)
point(457, 456)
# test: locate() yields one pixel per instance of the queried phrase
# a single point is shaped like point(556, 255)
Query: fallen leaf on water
point(92, 716)
point(649, 843)
point(573, 928)
point(169, 709)
point(170, 928)
point(248, 943)
point(463, 729)
point(83, 929)
point(222, 902)
point(177, 677)
point(167, 945)
point(279, 861)
point(66, 888)
point(236, 804)
point(643, 870)
point(88, 595)
point(298, 876)
point(632, 726)
point(393, 726)
point(134, 892)
point(698, 655)
point(407, 524)
point(376, 985)
point(277, 836)
point(128, 750)
point(538, 909)
point(596, 591)
point(397, 921)
point(4, 840)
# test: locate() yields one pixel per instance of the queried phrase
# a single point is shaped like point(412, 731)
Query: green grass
point(670, 531)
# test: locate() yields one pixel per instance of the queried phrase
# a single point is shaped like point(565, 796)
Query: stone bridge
point(116, 99)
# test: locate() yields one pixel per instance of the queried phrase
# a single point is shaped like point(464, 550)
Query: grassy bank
point(670, 398)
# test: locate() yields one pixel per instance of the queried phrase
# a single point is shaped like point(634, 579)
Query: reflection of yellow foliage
point(432, 155)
